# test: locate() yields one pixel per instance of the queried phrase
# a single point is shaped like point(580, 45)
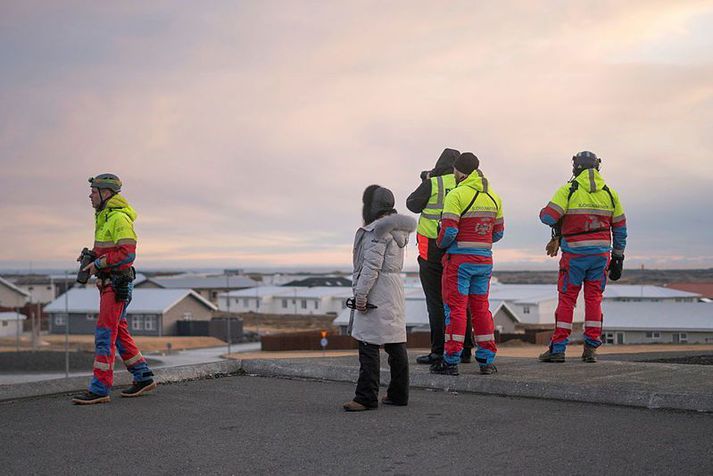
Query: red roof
point(704, 289)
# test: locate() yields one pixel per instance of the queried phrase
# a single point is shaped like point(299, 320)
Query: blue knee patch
point(592, 342)
point(119, 347)
point(558, 347)
point(447, 314)
point(453, 358)
point(141, 372)
point(102, 341)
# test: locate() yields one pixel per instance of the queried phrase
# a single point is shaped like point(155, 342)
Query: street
point(241, 425)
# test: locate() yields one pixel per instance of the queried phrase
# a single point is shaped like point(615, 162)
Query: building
point(704, 289)
point(11, 296)
point(657, 323)
point(42, 289)
point(292, 300)
point(647, 293)
point(208, 286)
point(152, 312)
point(10, 322)
point(320, 281)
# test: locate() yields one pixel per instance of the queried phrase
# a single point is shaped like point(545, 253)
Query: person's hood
point(590, 180)
point(118, 203)
point(444, 164)
point(475, 180)
point(399, 226)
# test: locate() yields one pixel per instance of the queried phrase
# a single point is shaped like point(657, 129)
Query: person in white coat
point(378, 260)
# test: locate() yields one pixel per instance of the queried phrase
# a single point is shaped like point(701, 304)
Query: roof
point(8, 284)
point(322, 281)
point(154, 301)
point(645, 291)
point(11, 316)
point(674, 316)
point(293, 292)
point(417, 313)
point(704, 289)
point(198, 281)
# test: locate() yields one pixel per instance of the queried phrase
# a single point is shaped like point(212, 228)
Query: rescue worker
point(472, 221)
point(584, 214)
point(115, 249)
point(428, 200)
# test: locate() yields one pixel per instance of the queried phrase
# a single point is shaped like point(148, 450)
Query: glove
point(360, 303)
point(616, 265)
point(553, 247)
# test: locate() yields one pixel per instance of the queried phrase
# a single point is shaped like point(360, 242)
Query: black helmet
point(585, 160)
point(108, 181)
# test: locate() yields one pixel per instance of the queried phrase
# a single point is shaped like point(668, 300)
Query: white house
point(657, 323)
point(11, 296)
point(286, 300)
point(10, 322)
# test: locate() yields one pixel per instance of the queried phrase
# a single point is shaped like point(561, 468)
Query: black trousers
point(431, 273)
point(367, 390)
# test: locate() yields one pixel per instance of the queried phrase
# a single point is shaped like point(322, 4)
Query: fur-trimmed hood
point(399, 226)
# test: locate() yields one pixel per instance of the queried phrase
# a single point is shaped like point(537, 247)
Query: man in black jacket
point(427, 200)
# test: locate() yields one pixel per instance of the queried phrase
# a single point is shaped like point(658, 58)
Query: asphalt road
point(252, 425)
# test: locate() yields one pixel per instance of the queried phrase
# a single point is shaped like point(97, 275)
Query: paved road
point(242, 425)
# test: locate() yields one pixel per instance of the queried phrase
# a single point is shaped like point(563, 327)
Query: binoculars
point(87, 256)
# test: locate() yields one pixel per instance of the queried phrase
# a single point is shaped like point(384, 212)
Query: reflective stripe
point(134, 359)
point(455, 337)
point(103, 244)
point(484, 180)
point(582, 244)
point(589, 211)
point(618, 218)
point(564, 325)
point(499, 221)
point(441, 192)
point(430, 216)
point(450, 216)
point(474, 244)
point(592, 323)
point(484, 337)
point(592, 183)
point(126, 241)
point(480, 214)
point(556, 208)
point(101, 365)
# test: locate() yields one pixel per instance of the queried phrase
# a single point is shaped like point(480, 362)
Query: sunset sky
point(245, 132)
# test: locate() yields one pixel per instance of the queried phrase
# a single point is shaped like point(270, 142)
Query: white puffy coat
point(378, 261)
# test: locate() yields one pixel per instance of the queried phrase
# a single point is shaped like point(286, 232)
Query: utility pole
point(66, 329)
point(227, 295)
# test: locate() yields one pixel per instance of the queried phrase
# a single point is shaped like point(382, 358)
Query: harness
point(556, 229)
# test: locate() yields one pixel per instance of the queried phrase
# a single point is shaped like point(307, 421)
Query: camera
point(87, 256)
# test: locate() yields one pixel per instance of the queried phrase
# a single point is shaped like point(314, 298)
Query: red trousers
point(575, 271)
point(112, 333)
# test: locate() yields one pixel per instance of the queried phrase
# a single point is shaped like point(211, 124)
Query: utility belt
point(121, 282)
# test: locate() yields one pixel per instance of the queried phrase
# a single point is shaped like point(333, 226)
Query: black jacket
point(418, 199)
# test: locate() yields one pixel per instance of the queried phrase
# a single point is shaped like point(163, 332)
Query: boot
point(139, 388)
point(353, 406)
point(488, 369)
point(589, 354)
point(466, 356)
point(429, 359)
point(444, 368)
point(90, 398)
point(550, 356)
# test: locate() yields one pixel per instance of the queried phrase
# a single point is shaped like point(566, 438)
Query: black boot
point(90, 398)
point(488, 369)
point(429, 359)
point(444, 368)
point(139, 388)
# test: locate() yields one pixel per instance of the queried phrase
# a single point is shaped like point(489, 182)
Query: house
point(11, 296)
point(657, 323)
point(10, 322)
point(417, 315)
point(152, 312)
point(42, 289)
point(647, 293)
point(704, 289)
point(208, 286)
point(320, 281)
point(293, 300)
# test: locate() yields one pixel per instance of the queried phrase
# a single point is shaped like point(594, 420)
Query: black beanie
point(377, 202)
point(466, 163)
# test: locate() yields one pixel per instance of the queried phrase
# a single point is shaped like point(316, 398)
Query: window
point(284, 304)
point(257, 303)
point(150, 323)
point(684, 337)
point(608, 337)
point(316, 304)
point(59, 320)
point(137, 323)
point(526, 310)
point(304, 304)
point(91, 317)
point(188, 316)
point(4, 323)
point(653, 335)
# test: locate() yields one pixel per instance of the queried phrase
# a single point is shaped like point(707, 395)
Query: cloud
point(248, 131)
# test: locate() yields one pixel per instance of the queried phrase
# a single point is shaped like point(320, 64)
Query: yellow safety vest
point(428, 221)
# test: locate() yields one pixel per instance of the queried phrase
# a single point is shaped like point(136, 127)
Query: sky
point(245, 132)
